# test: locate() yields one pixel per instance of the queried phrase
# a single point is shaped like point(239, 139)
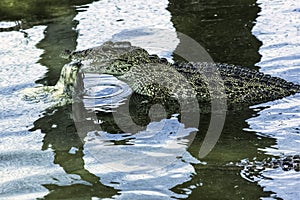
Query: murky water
point(70, 152)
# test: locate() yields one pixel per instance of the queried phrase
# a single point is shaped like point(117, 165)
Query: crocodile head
point(122, 63)
point(115, 58)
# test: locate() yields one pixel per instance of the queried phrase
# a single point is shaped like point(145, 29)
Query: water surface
point(70, 152)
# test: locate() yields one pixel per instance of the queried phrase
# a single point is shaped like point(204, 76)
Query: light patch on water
point(280, 121)
point(18, 71)
point(278, 27)
point(8, 24)
point(147, 25)
point(19, 56)
point(23, 167)
point(150, 163)
point(286, 184)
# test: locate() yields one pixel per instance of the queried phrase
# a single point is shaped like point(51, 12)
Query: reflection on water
point(223, 28)
point(278, 28)
point(94, 157)
point(68, 152)
point(145, 164)
point(147, 25)
point(104, 92)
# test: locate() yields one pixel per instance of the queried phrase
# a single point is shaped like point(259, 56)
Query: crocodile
point(155, 77)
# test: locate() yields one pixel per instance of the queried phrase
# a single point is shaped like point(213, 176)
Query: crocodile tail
point(296, 88)
point(292, 88)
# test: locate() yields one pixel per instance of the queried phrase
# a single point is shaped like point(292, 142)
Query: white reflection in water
point(145, 24)
point(278, 27)
point(150, 162)
point(23, 166)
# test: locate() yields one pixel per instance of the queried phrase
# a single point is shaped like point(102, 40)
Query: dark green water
point(223, 28)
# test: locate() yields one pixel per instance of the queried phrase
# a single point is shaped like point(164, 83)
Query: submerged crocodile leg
point(286, 163)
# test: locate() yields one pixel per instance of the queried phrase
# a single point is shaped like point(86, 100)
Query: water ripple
point(104, 92)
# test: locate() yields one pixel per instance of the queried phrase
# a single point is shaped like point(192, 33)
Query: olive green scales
point(152, 76)
point(147, 74)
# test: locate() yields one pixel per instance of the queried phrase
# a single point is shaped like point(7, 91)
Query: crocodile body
point(155, 77)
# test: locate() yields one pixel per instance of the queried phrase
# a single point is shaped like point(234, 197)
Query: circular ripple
point(104, 92)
